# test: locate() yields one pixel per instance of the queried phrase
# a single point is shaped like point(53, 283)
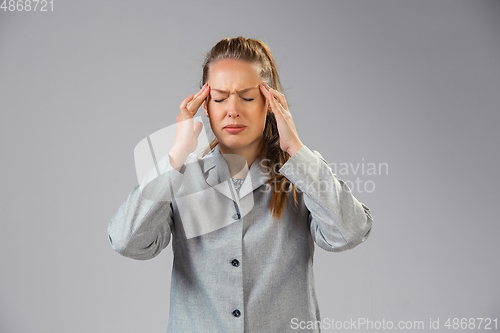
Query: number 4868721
point(27, 5)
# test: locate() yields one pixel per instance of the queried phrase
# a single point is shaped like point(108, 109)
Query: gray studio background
point(413, 85)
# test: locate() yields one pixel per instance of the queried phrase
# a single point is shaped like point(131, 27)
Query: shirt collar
point(216, 171)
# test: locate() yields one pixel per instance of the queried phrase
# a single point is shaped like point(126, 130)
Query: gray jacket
point(235, 269)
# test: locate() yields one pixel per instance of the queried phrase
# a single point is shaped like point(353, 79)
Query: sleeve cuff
point(304, 167)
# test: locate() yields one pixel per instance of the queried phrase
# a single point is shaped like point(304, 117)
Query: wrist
point(177, 158)
point(293, 149)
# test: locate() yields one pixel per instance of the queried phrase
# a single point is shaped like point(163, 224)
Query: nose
point(233, 107)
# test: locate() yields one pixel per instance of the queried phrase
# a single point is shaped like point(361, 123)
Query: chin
point(233, 145)
point(232, 141)
point(238, 145)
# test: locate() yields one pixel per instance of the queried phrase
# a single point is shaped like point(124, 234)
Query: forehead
point(233, 74)
point(242, 91)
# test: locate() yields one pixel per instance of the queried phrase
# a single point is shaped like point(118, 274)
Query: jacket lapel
point(217, 175)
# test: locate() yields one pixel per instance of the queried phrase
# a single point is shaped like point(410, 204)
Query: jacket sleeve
point(141, 228)
point(338, 221)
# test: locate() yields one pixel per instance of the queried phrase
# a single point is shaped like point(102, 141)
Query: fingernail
point(205, 86)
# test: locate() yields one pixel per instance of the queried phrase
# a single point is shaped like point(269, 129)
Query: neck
point(240, 160)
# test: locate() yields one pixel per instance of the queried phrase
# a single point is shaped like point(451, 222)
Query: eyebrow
point(239, 92)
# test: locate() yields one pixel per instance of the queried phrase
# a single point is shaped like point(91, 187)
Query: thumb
point(198, 126)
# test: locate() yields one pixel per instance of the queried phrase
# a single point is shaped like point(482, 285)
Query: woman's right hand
point(186, 133)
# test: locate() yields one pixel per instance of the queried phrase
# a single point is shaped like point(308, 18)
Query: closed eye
point(221, 100)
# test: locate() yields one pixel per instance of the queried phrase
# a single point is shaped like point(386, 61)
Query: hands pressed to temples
point(187, 132)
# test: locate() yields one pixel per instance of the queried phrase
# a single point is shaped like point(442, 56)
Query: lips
point(234, 128)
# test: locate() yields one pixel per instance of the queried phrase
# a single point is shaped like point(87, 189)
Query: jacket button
point(236, 313)
point(235, 262)
point(236, 216)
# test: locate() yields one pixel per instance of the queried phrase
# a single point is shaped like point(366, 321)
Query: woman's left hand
point(289, 139)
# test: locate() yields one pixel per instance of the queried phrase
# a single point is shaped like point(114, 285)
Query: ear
point(204, 104)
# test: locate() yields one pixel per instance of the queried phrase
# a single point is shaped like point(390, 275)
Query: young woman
point(243, 217)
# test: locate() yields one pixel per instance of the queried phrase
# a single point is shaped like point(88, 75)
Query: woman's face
point(235, 100)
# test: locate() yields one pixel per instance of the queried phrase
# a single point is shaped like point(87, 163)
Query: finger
point(281, 98)
point(196, 102)
point(268, 95)
point(200, 91)
point(279, 111)
point(198, 94)
point(265, 92)
point(274, 105)
point(197, 129)
point(185, 102)
point(184, 107)
point(273, 101)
